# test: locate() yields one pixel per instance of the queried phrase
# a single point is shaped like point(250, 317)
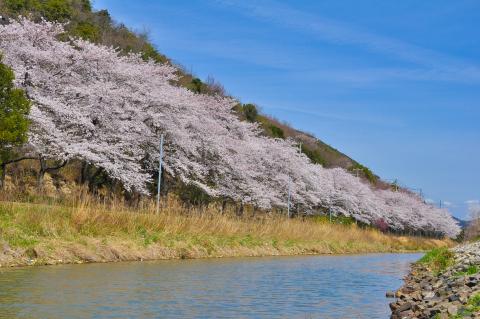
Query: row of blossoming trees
point(93, 104)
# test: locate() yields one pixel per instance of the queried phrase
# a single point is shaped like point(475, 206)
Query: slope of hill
point(99, 27)
point(106, 109)
point(462, 223)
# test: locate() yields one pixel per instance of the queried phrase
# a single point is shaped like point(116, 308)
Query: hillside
point(99, 112)
point(463, 223)
point(99, 27)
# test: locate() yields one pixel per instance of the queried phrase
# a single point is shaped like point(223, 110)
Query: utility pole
point(357, 170)
point(288, 200)
point(159, 173)
point(422, 196)
point(395, 184)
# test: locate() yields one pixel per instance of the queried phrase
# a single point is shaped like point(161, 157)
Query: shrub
point(276, 131)
point(194, 195)
point(381, 224)
point(149, 52)
point(87, 31)
point(438, 259)
point(56, 10)
point(250, 111)
point(195, 85)
point(215, 87)
point(86, 5)
point(365, 171)
point(314, 156)
point(17, 6)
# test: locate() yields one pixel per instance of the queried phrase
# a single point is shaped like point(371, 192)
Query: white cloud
point(370, 119)
point(473, 208)
point(432, 65)
point(448, 204)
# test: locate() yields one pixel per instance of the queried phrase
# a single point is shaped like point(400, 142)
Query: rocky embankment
point(453, 291)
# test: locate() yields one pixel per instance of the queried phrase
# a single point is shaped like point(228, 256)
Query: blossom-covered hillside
point(92, 104)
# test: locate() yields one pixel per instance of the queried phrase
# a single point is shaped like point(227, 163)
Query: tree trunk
point(84, 173)
point(240, 210)
point(92, 183)
point(224, 206)
point(41, 173)
point(3, 175)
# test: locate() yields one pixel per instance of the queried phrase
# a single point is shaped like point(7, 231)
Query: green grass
point(474, 303)
point(438, 259)
point(334, 219)
point(90, 231)
point(472, 307)
point(472, 270)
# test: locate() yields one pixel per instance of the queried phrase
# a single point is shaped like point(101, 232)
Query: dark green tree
point(250, 111)
point(196, 85)
point(14, 109)
point(57, 10)
point(276, 131)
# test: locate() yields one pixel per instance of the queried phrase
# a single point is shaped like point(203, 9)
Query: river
point(351, 286)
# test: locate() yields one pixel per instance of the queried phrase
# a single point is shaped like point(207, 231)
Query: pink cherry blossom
point(94, 104)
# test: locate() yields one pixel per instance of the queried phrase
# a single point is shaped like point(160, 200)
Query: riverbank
point(443, 284)
point(83, 232)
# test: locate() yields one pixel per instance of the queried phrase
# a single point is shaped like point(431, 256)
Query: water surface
point(280, 287)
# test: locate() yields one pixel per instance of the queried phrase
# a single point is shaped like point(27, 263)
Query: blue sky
point(393, 84)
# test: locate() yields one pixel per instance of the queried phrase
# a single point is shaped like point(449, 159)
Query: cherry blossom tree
point(106, 108)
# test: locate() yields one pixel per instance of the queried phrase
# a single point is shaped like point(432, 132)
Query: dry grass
point(85, 231)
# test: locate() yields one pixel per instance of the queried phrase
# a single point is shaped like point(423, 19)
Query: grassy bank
point(83, 231)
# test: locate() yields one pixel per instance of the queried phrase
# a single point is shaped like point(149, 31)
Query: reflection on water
point(284, 287)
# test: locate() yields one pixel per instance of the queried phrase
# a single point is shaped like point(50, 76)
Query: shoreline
point(442, 285)
point(165, 254)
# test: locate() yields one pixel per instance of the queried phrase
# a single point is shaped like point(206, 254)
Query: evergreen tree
point(14, 108)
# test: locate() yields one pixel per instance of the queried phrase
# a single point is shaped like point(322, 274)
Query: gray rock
point(404, 307)
point(390, 294)
point(452, 310)
point(394, 306)
point(429, 295)
point(426, 295)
